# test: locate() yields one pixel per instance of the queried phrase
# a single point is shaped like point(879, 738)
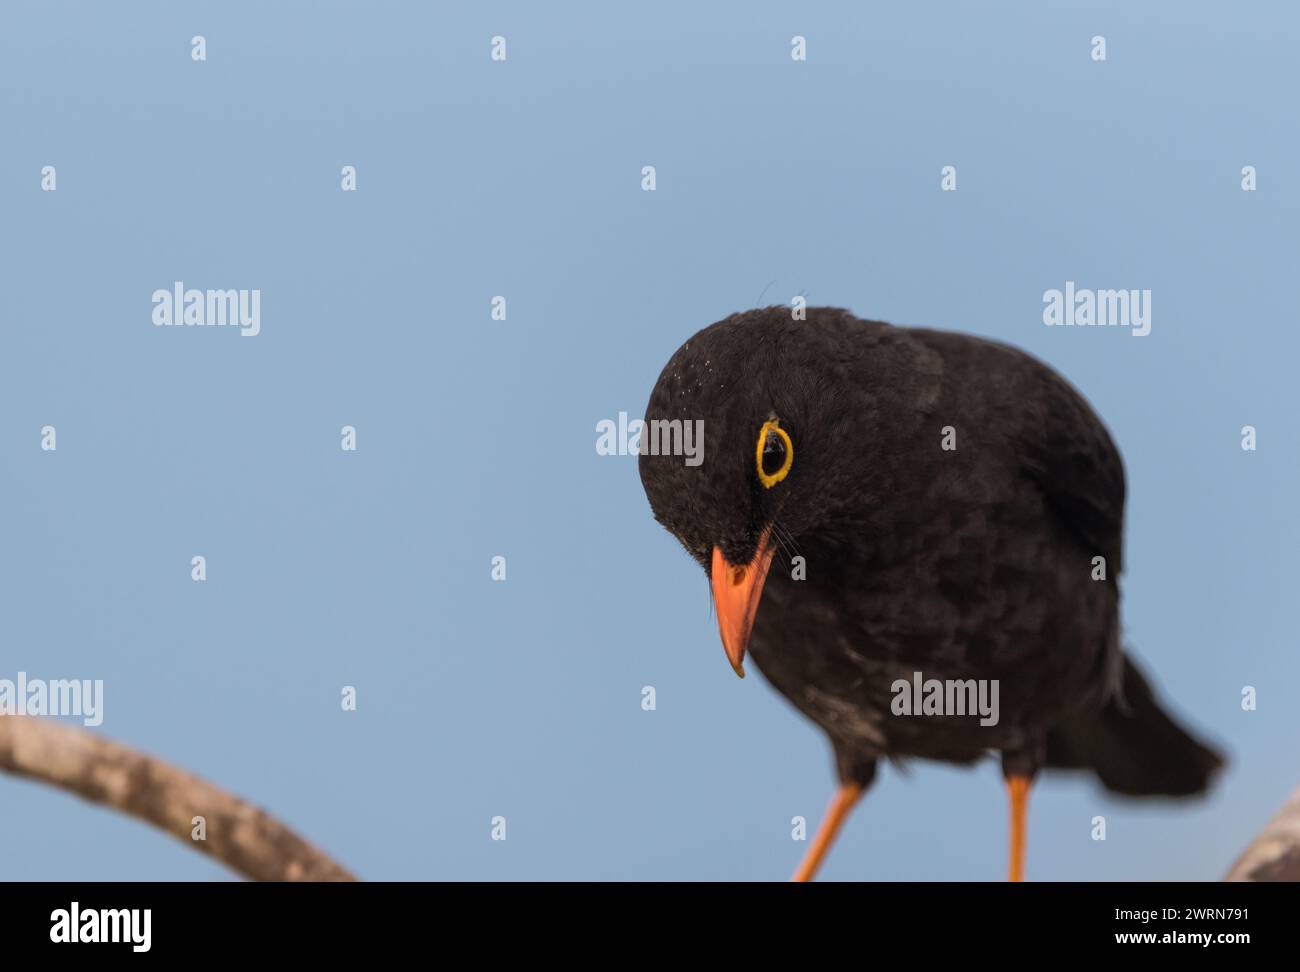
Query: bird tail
point(1133, 745)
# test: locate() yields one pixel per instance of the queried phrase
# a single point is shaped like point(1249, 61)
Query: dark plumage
point(972, 563)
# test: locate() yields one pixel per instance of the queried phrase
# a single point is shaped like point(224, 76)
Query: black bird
point(958, 508)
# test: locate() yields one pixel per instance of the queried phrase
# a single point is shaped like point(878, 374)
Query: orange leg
point(1018, 787)
point(845, 798)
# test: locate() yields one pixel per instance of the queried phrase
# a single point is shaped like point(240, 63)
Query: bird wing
point(1054, 437)
point(1066, 450)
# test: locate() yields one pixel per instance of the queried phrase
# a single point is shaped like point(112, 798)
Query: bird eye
point(774, 454)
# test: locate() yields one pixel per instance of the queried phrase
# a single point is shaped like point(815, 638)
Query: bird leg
point(1018, 788)
point(845, 797)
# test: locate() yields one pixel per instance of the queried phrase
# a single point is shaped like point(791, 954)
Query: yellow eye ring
point(772, 426)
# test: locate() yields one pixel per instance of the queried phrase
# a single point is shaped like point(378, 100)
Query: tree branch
point(244, 838)
point(1275, 854)
point(256, 845)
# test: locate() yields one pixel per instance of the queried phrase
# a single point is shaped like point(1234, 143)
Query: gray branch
point(1275, 854)
point(244, 838)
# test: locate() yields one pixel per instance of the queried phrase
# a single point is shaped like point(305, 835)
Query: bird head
point(767, 396)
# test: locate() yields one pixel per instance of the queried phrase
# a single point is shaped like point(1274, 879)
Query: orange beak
point(736, 592)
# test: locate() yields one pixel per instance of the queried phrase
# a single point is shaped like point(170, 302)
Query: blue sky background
point(476, 437)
